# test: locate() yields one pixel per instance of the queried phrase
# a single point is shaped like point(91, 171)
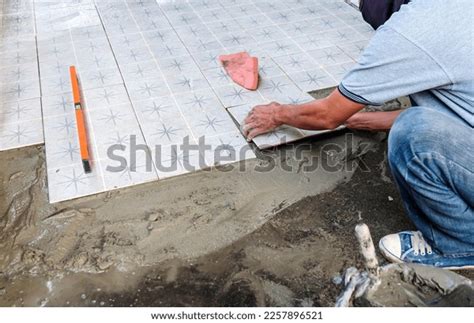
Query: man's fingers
point(254, 133)
point(247, 127)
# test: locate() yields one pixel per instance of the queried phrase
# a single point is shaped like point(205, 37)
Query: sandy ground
point(241, 235)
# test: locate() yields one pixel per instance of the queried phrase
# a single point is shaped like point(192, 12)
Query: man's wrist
point(281, 114)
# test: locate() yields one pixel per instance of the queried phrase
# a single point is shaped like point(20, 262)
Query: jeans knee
point(401, 135)
point(417, 130)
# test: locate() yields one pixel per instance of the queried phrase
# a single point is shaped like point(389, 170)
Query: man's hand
point(327, 113)
point(262, 119)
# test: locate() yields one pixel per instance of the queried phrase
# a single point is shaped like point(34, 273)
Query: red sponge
point(242, 68)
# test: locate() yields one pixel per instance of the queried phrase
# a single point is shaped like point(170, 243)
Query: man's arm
point(373, 121)
point(327, 113)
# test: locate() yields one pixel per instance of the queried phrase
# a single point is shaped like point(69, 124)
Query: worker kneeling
point(424, 50)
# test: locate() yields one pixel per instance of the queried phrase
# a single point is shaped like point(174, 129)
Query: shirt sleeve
point(390, 67)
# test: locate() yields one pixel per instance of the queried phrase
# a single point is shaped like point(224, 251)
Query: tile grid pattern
point(148, 136)
point(20, 108)
point(130, 48)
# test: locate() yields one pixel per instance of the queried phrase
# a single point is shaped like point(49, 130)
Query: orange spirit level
point(81, 126)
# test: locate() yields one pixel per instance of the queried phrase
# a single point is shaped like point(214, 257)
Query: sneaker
point(411, 247)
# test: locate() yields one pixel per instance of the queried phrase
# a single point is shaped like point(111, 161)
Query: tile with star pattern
point(112, 118)
point(268, 68)
point(24, 56)
point(227, 148)
point(54, 68)
point(254, 22)
point(217, 77)
point(106, 96)
point(182, 64)
point(280, 47)
point(343, 36)
point(312, 11)
point(223, 27)
point(330, 56)
point(87, 33)
point(156, 109)
point(234, 95)
point(197, 102)
point(172, 161)
point(295, 63)
point(133, 55)
point(139, 71)
point(92, 79)
point(339, 71)
point(284, 16)
point(196, 45)
point(20, 134)
point(210, 123)
point(128, 171)
point(148, 88)
point(17, 91)
point(267, 34)
point(208, 59)
point(298, 28)
point(214, 15)
point(17, 44)
point(186, 82)
point(243, 10)
point(165, 131)
point(277, 88)
point(60, 127)
point(122, 141)
point(184, 19)
point(63, 152)
point(327, 23)
point(56, 85)
point(18, 111)
point(100, 60)
point(57, 104)
point(354, 49)
point(314, 79)
point(71, 182)
point(236, 38)
point(17, 73)
point(204, 5)
point(167, 50)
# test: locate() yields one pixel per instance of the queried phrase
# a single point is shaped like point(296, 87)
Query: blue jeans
point(431, 155)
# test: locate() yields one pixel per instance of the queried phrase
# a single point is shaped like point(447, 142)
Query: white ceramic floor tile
point(234, 95)
point(26, 133)
point(209, 124)
point(119, 174)
point(295, 63)
point(312, 80)
point(173, 161)
point(330, 56)
point(227, 148)
point(71, 182)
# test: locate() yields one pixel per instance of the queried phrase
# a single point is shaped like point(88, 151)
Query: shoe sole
point(396, 260)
